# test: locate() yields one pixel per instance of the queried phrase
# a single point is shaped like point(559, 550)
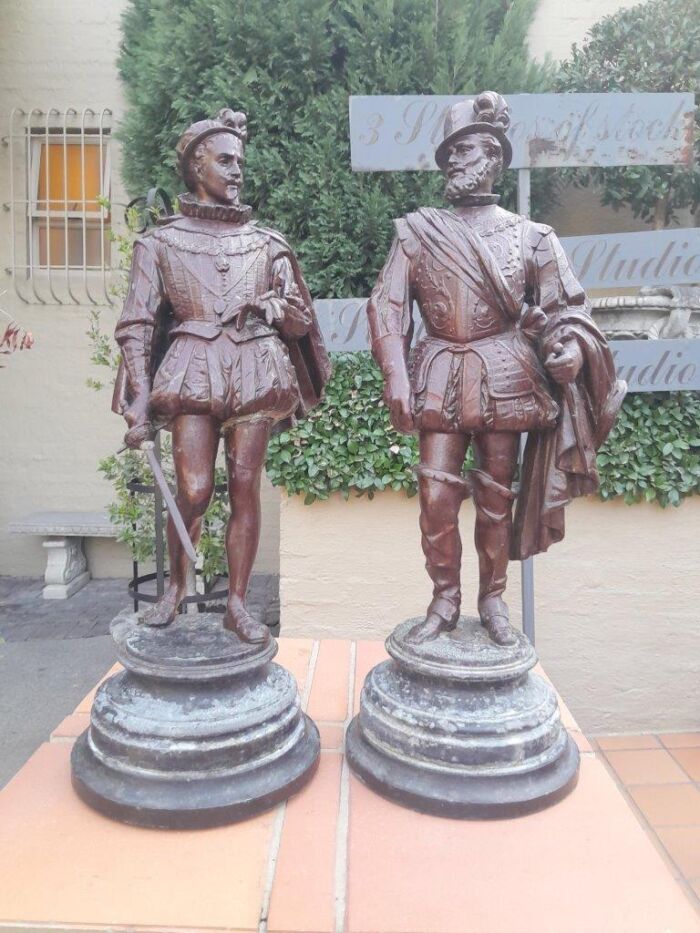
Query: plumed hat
point(487, 113)
point(226, 121)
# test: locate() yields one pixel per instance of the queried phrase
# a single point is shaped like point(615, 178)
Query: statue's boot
point(492, 535)
point(164, 611)
point(441, 495)
point(238, 620)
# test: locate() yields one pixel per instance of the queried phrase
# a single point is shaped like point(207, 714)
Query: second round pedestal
point(460, 727)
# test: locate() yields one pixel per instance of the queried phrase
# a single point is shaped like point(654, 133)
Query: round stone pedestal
point(200, 729)
point(459, 727)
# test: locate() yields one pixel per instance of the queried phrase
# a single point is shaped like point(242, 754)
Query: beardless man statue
point(218, 337)
point(509, 347)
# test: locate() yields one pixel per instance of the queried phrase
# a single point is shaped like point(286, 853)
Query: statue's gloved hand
point(137, 416)
point(270, 307)
point(564, 362)
point(397, 397)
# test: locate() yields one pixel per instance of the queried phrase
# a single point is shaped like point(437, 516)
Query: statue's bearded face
point(217, 169)
point(473, 164)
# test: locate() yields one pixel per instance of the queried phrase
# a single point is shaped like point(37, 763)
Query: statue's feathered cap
point(226, 121)
point(487, 113)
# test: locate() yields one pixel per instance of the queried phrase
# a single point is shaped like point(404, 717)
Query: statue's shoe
point(161, 613)
point(494, 618)
point(237, 620)
point(431, 628)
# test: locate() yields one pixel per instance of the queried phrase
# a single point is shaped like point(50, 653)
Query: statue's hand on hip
point(397, 397)
point(564, 362)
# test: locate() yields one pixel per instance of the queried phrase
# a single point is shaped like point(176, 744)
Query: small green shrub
point(347, 444)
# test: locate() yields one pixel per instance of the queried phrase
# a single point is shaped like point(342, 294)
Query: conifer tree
point(291, 66)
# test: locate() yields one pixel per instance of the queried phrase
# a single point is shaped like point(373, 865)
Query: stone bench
point(63, 533)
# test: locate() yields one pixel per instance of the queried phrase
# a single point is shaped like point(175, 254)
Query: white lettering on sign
point(394, 133)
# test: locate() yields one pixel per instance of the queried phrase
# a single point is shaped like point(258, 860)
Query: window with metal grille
point(60, 191)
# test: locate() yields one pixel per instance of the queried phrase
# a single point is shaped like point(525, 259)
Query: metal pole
point(527, 572)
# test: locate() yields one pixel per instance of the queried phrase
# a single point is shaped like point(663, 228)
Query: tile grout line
point(342, 829)
point(650, 831)
point(278, 825)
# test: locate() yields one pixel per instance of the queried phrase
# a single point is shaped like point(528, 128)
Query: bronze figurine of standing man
point(509, 348)
point(218, 338)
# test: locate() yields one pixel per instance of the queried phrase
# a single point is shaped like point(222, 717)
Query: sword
point(148, 447)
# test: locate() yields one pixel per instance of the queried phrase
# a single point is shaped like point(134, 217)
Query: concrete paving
point(52, 652)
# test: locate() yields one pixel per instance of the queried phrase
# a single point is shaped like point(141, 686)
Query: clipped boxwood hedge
point(347, 444)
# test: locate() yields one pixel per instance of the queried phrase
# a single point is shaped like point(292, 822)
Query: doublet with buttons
point(475, 368)
point(193, 287)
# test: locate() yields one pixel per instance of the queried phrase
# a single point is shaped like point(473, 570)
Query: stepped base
point(459, 727)
point(200, 729)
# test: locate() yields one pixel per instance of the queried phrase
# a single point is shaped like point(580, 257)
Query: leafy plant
point(347, 445)
point(653, 452)
point(291, 67)
point(654, 46)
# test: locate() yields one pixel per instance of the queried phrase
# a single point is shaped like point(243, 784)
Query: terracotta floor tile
point(625, 742)
point(689, 760)
point(71, 727)
point(585, 865)
point(63, 863)
point(295, 654)
point(368, 653)
point(681, 739)
point(85, 704)
point(332, 734)
point(303, 894)
point(646, 766)
point(683, 845)
point(584, 746)
point(668, 804)
point(329, 691)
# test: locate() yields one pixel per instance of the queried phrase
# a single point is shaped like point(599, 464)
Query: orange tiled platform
point(336, 857)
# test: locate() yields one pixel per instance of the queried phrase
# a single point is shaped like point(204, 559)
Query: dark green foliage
point(291, 66)
point(347, 444)
point(653, 452)
point(651, 47)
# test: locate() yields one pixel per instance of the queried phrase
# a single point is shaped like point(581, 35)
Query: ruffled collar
point(226, 213)
point(477, 200)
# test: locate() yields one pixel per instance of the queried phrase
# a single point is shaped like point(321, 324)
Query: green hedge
point(347, 444)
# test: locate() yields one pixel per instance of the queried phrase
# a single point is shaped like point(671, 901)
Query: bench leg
point(66, 567)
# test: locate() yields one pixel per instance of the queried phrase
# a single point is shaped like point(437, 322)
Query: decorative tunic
point(496, 295)
point(191, 336)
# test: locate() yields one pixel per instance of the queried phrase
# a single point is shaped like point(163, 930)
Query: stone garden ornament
point(219, 343)
point(455, 724)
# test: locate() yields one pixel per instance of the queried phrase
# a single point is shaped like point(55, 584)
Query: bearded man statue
point(509, 348)
point(218, 338)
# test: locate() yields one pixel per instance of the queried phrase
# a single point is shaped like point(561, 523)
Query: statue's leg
point(496, 457)
point(441, 490)
point(195, 443)
point(246, 447)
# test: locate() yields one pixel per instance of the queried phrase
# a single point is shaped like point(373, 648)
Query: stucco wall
point(557, 24)
point(53, 429)
point(617, 602)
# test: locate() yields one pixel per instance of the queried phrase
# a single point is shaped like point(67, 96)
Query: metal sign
point(619, 260)
point(645, 365)
point(395, 133)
